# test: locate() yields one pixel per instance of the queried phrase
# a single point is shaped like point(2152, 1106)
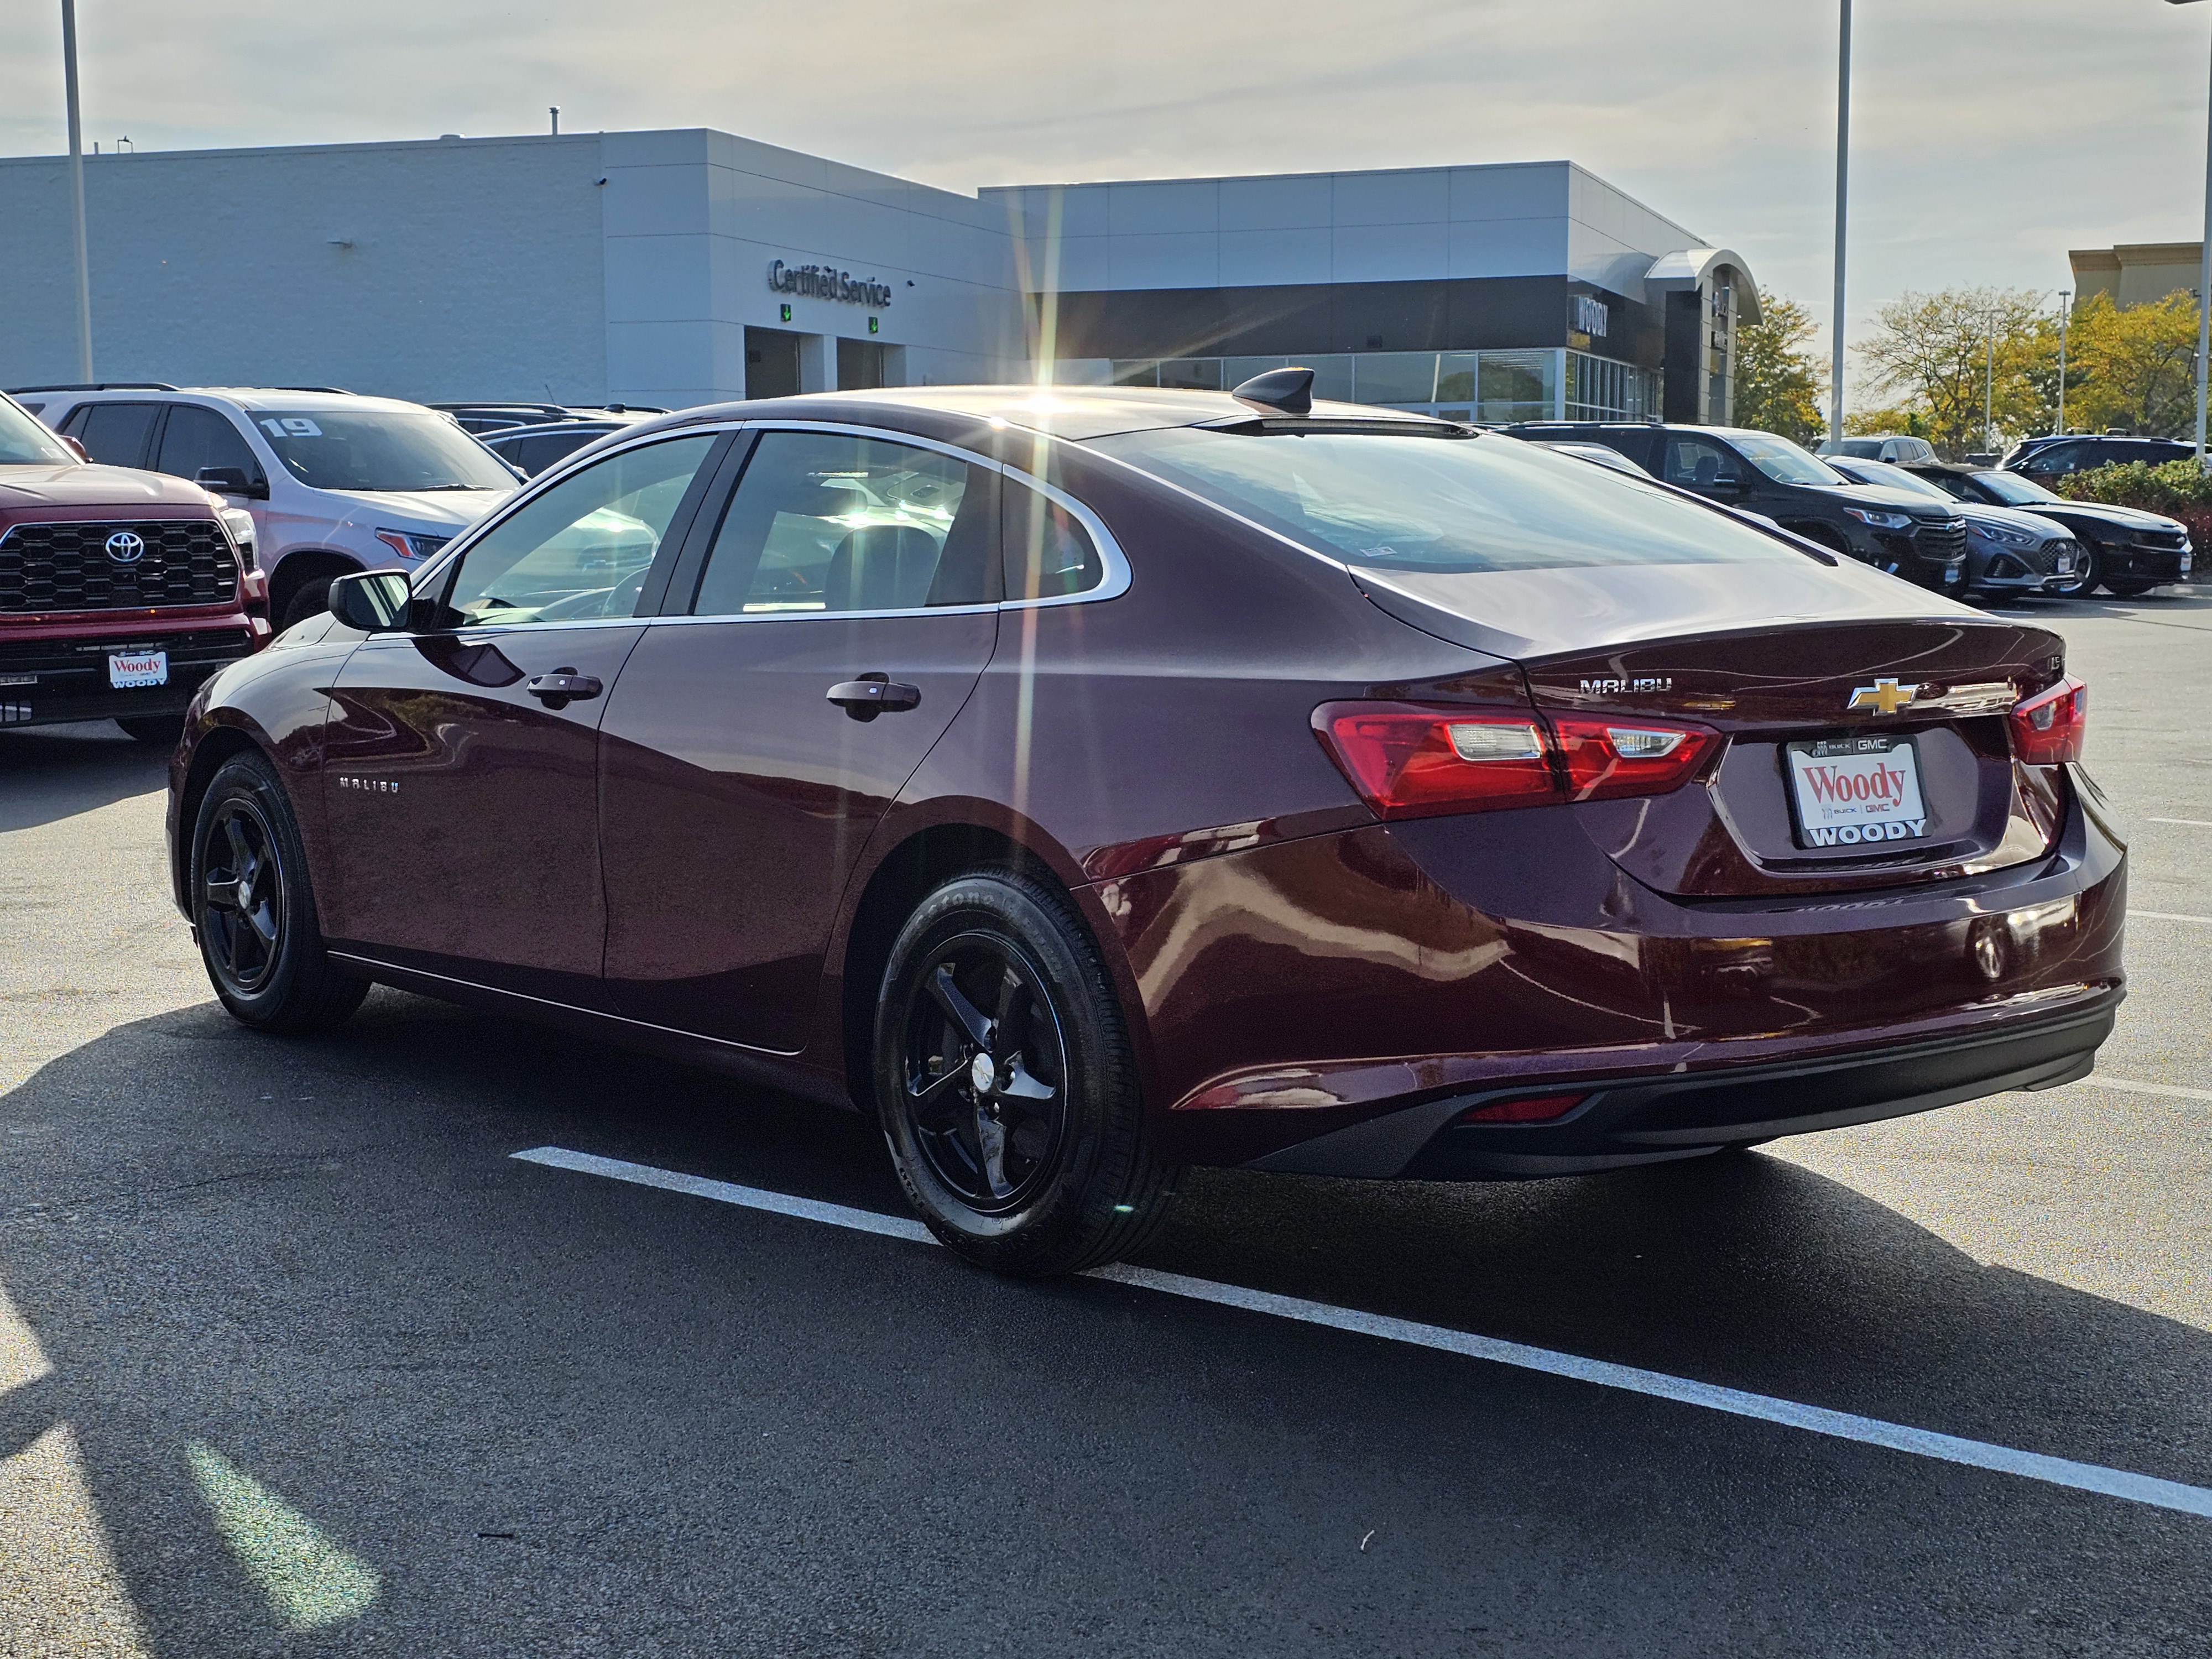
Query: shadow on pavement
point(52, 772)
point(560, 1414)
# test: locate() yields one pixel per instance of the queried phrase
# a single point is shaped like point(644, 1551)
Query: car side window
point(115, 433)
point(195, 438)
point(1698, 464)
point(583, 547)
point(2059, 457)
point(828, 522)
point(1049, 554)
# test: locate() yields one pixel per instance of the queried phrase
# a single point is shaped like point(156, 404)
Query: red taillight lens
point(1606, 758)
point(1409, 762)
point(1538, 1108)
point(2048, 728)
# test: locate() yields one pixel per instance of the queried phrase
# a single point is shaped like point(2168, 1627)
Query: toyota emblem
point(124, 548)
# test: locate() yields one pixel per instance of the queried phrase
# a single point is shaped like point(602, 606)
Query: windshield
point(1783, 461)
point(2015, 491)
point(1441, 504)
point(380, 450)
point(1894, 477)
point(24, 442)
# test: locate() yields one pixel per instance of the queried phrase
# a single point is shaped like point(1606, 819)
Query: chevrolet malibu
point(1092, 784)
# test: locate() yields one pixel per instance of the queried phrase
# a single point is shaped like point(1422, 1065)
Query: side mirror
point(373, 601)
point(76, 448)
point(232, 481)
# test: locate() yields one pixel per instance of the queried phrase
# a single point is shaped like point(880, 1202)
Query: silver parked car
point(2008, 551)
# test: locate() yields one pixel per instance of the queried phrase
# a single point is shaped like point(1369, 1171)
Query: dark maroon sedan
point(1095, 783)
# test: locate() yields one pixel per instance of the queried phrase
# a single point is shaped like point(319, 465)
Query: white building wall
point(473, 268)
point(1513, 219)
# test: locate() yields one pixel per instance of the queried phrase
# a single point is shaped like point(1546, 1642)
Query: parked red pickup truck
point(120, 590)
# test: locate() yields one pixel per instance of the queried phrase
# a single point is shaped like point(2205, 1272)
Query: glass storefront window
point(1455, 376)
point(1515, 385)
point(1234, 371)
point(1332, 376)
point(1192, 374)
point(1394, 377)
point(1141, 371)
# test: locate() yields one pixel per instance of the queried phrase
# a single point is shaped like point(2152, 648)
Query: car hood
point(1525, 614)
point(2006, 517)
point(71, 483)
point(1886, 498)
point(430, 510)
point(2126, 518)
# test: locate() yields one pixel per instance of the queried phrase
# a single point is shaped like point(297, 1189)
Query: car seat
point(881, 567)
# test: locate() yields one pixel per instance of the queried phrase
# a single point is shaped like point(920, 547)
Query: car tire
point(157, 731)
point(311, 600)
point(2131, 587)
point(2086, 576)
point(1006, 1084)
point(254, 911)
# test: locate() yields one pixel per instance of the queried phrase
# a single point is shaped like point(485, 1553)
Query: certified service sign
point(822, 282)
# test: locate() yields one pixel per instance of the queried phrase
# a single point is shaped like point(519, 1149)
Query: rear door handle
point(872, 695)
point(561, 687)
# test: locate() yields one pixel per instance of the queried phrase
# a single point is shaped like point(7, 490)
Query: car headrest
point(1709, 468)
point(881, 567)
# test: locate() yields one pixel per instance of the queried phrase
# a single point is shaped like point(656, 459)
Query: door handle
point(558, 689)
point(872, 695)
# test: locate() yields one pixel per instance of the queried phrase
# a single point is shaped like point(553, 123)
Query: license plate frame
point(137, 671)
point(1825, 823)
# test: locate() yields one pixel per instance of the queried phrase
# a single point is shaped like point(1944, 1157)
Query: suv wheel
point(253, 911)
point(1005, 1084)
point(311, 600)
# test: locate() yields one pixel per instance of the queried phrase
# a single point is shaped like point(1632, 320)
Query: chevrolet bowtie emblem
point(1884, 697)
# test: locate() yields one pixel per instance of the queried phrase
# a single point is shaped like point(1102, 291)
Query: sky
point(1988, 137)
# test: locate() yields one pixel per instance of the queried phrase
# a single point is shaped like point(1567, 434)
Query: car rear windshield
point(23, 441)
point(379, 450)
point(1441, 504)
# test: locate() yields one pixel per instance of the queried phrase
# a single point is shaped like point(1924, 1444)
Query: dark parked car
point(2054, 458)
point(2008, 551)
point(120, 590)
point(2127, 550)
point(1094, 783)
point(482, 418)
point(1906, 534)
point(532, 449)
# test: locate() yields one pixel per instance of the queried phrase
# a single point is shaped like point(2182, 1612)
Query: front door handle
point(872, 695)
point(561, 687)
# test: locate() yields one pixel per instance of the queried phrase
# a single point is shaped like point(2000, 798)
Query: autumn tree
point(2134, 366)
point(1937, 354)
point(1780, 380)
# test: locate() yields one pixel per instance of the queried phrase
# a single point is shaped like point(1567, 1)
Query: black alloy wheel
point(241, 890)
point(1005, 1084)
point(252, 909)
point(985, 1072)
point(2087, 573)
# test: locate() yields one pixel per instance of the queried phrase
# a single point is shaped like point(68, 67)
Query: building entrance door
point(771, 363)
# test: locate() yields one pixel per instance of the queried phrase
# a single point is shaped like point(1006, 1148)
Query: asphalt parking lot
point(297, 1356)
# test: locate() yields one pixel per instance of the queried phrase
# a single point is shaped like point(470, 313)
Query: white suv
point(335, 482)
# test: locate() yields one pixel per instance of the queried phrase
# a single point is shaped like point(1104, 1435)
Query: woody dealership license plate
point(126, 670)
point(1848, 791)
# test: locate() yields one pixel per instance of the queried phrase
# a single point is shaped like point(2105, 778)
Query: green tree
point(1938, 354)
point(2137, 366)
point(1780, 380)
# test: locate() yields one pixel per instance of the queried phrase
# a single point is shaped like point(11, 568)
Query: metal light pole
point(2065, 313)
point(1842, 179)
point(1989, 386)
point(2204, 275)
point(76, 194)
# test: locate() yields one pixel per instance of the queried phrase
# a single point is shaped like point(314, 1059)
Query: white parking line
point(2129, 1086)
point(1815, 1419)
point(2191, 823)
point(2168, 916)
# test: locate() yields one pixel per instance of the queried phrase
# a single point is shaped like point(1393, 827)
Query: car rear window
point(1441, 504)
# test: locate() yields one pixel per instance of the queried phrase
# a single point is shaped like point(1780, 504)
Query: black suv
point(2045, 459)
point(1909, 535)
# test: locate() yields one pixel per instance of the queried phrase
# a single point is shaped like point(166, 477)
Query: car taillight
point(1408, 761)
point(2047, 729)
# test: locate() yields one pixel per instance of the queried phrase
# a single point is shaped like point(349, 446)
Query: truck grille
point(68, 567)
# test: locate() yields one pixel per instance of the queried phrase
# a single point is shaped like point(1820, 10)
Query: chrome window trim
point(1113, 560)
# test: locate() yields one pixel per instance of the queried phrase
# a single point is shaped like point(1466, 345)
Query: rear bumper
point(54, 676)
point(1673, 1114)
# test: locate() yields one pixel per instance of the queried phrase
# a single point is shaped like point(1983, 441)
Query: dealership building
point(671, 268)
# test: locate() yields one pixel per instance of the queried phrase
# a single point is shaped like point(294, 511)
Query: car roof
point(259, 397)
point(1076, 412)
